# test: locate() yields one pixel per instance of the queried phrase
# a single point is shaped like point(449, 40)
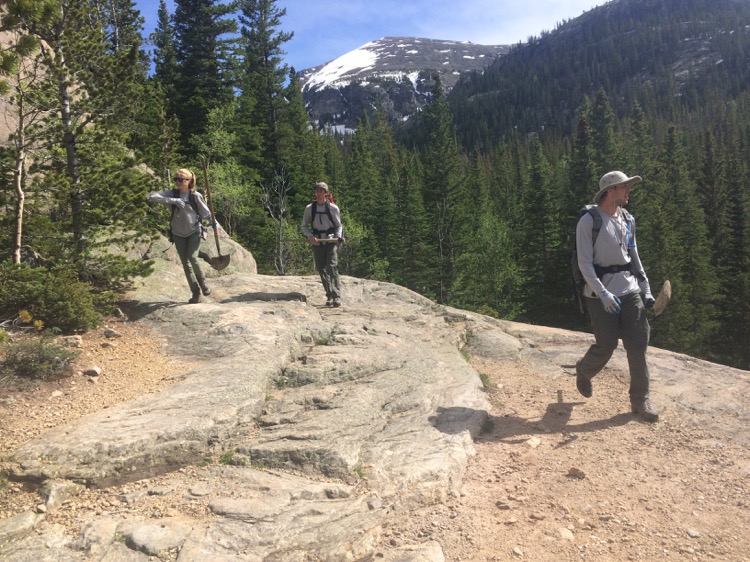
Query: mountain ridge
point(396, 74)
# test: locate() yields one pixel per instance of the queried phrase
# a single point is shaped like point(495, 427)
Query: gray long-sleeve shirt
point(320, 223)
point(615, 245)
point(185, 221)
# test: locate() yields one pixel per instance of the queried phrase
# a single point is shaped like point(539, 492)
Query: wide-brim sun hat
point(612, 179)
point(321, 185)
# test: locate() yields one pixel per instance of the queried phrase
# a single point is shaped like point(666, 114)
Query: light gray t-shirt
point(185, 221)
point(615, 245)
point(320, 222)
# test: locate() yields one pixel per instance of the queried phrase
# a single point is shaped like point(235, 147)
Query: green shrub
point(53, 296)
point(487, 384)
point(38, 359)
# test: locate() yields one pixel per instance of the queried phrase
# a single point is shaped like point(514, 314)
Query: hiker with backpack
point(616, 292)
point(185, 227)
point(321, 224)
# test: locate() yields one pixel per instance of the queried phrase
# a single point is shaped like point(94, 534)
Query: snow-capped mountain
point(394, 73)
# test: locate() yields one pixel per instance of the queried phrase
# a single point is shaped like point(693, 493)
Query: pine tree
point(299, 146)
point(713, 195)
point(203, 80)
point(443, 181)
point(581, 168)
point(90, 88)
point(732, 339)
point(685, 256)
point(539, 261)
point(486, 272)
point(581, 181)
point(166, 71)
point(409, 263)
point(366, 204)
point(605, 148)
point(19, 74)
point(263, 77)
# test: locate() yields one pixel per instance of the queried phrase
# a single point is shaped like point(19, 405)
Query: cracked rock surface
point(260, 425)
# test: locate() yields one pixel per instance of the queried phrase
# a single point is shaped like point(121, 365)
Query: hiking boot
point(336, 302)
point(584, 385)
point(645, 410)
point(204, 287)
point(329, 302)
point(196, 298)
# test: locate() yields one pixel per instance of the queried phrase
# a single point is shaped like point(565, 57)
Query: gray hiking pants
point(327, 264)
point(630, 325)
point(187, 250)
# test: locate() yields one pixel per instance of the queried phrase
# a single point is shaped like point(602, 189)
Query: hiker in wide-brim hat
point(617, 291)
point(613, 179)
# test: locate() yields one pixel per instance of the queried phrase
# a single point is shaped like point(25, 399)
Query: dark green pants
point(327, 264)
point(630, 325)
point(187, 250)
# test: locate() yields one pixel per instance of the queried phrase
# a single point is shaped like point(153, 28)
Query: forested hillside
point(473, 204)
point(676, 58)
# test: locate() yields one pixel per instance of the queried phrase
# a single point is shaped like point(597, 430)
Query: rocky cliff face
point(393, 73)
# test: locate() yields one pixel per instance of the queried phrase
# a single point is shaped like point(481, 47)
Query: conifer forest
point(471, 203)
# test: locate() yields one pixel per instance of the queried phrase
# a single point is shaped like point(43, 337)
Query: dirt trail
point(551, 481)
point(586, 480)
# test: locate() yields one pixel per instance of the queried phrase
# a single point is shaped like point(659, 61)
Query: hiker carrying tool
point(188, 208)
point(617, 291)
point(321, 224)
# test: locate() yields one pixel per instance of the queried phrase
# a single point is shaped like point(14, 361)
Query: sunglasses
point(179, 180)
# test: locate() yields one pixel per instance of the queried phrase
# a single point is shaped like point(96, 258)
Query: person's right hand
point(311, 238)
point(177, 202)
point(611, 303)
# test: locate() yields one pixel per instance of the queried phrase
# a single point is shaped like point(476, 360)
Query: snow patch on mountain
point(394, 74)
point(361, 59)
point(394, 57)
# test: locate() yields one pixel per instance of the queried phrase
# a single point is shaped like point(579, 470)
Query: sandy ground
point(551, 481)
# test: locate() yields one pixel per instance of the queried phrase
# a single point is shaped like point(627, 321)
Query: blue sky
point(326, 29)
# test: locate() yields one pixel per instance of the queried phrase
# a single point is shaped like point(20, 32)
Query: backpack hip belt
point(601, 271)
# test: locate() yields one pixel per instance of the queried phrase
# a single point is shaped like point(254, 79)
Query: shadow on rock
point(512, 429)
point(136, 310)
point(268, 297)
point(455, 420)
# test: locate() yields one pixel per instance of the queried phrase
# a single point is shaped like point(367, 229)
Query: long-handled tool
point(219, 262)
point(319, 240)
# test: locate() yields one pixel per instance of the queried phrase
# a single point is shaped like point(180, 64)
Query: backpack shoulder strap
point(597, 226)
point(631, 227)
point(328, 212)
point(193, 204)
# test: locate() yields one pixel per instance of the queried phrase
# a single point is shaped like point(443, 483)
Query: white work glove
point(611, 303)
point(177, 202)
